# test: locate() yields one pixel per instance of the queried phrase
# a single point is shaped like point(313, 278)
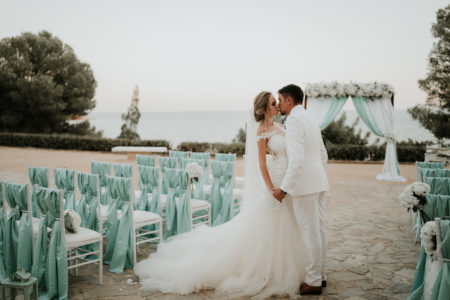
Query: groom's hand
point(279, 195)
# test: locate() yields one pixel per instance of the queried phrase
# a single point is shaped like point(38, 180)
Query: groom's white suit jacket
point(307, 156)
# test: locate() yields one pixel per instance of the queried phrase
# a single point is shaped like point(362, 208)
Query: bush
point(410, 153)
point(72, 142)
point(238, 148)
point(194, 147)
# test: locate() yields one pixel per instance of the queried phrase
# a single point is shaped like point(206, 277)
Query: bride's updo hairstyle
point(260, 105)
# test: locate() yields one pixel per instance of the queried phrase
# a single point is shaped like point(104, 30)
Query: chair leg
point(100, 262)
point(134, 247)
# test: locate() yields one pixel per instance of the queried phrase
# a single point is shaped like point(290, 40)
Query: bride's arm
point(262, 144)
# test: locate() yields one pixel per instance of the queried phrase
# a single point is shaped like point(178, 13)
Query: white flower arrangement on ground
point(335, 89)
point(194, 171)
point(72, 220)
point(413, 196)
point(428, 237)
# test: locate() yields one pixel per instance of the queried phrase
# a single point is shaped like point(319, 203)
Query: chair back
point(88, 206)
point(50, 261)
point(149, 184)
point(439, 185)
point(146, 160)
point(227, 157)
point(18, 246)
point(65, 180)
point(103, 169)
point(436, 206)
point(123, 170)
point(166, 162)
point(430, 165)
point(205, 156)
point(441, 288)
point(179, 155)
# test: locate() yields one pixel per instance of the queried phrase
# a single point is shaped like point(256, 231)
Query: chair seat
point(197, 205)
point(162, 198)
point(142, 218)
point(84, 236)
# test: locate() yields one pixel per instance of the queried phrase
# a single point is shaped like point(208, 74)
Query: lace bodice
point(275, 143)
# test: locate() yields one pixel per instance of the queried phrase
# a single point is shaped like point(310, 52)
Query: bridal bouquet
point(194, 170)
point(413, 196)
point(428, 237)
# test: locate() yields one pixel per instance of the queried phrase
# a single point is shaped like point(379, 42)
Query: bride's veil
point(253, 186)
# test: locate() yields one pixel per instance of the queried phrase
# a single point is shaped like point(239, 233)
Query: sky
point(217, 55)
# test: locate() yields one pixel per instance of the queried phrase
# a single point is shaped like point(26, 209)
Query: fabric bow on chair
point(38, 176)
point(64, 180)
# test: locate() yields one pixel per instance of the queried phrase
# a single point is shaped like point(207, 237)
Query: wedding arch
point(374, 103)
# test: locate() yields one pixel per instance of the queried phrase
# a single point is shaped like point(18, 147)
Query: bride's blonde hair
point(260, 106)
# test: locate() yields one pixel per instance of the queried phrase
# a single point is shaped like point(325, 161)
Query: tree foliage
point(131, 119)
point(435, 116)
point(339, 133)
point(42, 84)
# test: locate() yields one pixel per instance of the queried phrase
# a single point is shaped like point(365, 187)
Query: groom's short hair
point(294, 91)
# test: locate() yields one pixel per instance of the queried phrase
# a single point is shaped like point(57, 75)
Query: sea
point(223, 126)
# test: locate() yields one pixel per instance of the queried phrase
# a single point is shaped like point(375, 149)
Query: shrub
point(238, 148)
point(72, 142)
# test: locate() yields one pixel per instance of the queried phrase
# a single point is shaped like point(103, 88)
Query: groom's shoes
point(306, 289)
point(324, 283)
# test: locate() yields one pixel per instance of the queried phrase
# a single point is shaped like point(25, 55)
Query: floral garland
point(336, 89)
point(428, 237)
point(413, 196)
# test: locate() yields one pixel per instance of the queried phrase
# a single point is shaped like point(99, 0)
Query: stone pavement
point(371, 252)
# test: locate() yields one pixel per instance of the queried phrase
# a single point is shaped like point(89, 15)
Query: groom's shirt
point(307, 156)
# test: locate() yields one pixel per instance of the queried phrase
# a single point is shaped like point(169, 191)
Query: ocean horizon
point(223, 126)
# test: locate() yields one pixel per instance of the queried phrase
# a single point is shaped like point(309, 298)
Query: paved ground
point(371, 253)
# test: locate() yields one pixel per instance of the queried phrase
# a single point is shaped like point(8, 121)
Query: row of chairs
point(433, 271)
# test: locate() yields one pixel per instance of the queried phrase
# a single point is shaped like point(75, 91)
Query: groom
point(306, 181)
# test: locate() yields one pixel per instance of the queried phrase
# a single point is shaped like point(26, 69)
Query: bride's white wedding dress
point(259, 253)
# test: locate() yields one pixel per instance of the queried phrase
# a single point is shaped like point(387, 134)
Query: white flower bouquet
point(194, 171)
point(72, 220)
point(335, 89)
point(413, 196)
point(428, 237)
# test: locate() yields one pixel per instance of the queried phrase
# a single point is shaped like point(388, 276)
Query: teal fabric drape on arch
point(172, 181)
point(333, 110)
point(64, 180)
point(102, 169)
point(38, 176)
point(146, 160)
point(119, 244)
point(441, 289)
point(50, 264)
point(18, 237)
point(226, 212)
point(166, 162)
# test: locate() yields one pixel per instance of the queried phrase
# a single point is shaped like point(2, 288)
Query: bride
point(259, 253)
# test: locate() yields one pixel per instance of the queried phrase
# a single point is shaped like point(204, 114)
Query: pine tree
point(131, 119)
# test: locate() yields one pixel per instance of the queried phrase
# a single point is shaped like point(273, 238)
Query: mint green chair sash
point(197, 186)
point(64, 180)
point(87, 185)
point(38, 176)
point(149, 179)
point(430, 172)
point(18, 238)
point(119, 244)
point(205, 156)
point(215, 196)
point(227, 157)
point(146, 160)
point(179, 155)
point(183, 205)
point(227, 209)
point(123, 170)
point(441, 288)
point(430, 165)
point(418, 285)
point(437, 206)
point(103, 169)
point(3, 274)
point(166, 162)
point(172, 179)
point(56, 274)
point(439, 185)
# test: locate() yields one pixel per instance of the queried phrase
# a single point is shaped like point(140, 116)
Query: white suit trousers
point(309, 212)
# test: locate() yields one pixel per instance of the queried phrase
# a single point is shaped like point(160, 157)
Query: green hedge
point(72, 142)
point(238, 148)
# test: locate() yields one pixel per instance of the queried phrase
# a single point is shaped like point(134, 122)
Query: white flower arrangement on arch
point(428, 237)
point(375, 90)
point(194, 170)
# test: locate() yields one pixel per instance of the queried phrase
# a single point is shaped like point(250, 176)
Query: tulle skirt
point(258, 254)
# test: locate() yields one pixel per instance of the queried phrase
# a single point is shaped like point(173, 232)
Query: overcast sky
point(217, 55)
